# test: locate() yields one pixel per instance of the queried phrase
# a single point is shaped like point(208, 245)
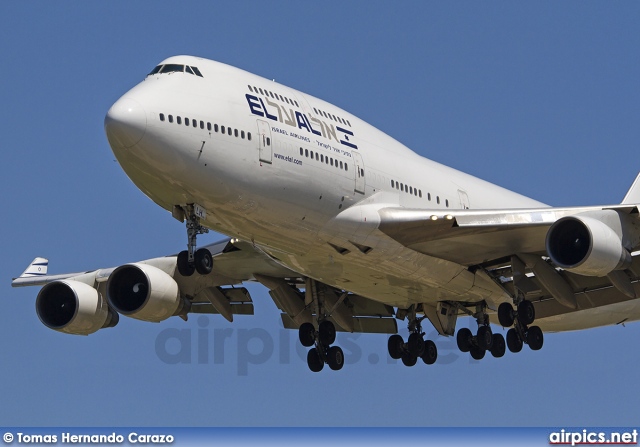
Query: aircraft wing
point(218, 292)
point(474, 237)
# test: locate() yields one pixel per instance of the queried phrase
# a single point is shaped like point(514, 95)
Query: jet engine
point(587, 246)
point(73, 307)
point(143, 292)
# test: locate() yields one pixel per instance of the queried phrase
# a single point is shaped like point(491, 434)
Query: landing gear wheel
point(184, 267)
point(394, 346)
point(307, 334)
point(409, 359)
point(203, 261)
point(535, 339)
point(477, 353)
point(314, 361)
point(505, 315)
point(485, 338)
point(463, 338)
point(513, 341)
point(415, 344)
point(430, 353)
point(335, 358)
point(526, 312)
point(498, 347)
point(327, 333)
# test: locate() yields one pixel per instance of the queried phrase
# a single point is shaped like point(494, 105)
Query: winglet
point(38, 267)
point(633, 195)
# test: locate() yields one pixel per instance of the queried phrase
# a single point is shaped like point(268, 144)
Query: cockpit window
point(170, 68)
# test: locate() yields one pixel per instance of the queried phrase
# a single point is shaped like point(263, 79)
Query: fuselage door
point(464, 199)
point(359, 167)
point(265, 142)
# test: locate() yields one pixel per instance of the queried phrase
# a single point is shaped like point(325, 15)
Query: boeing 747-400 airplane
point(347, 228)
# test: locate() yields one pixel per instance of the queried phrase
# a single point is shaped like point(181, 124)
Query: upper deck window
point(170, 68)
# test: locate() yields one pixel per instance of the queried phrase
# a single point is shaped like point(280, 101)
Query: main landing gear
point(191, 260)
point(322, 353)
point(521, 320)
point(484, 340)
point(416, 346)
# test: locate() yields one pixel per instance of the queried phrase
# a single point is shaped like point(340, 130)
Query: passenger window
point(215, 128)
point(438, 200)
point(429, 196)
point(392, 183)
point(296, 103)
point(201, 124)
point(171, 118)
point(410, 190)
point(162, 117)
point(348, 123)
point(209, 127)
point(178, 120)
point(186, 121)
point(250, 89)
point(249, 136)
point(317, 157)
point(420, 193)
point(261, 92)
point(311, 154)
point(301, 151)
point(321, 158)
point(194, 123)
point(346, 167)
point(331, 160)
point(340, 165)
point(242, 134)
point(268, 141)
point(362, 171)
point(306, 153)
point(222, 129)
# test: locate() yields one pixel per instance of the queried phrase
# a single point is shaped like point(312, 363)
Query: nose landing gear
point(192, 260)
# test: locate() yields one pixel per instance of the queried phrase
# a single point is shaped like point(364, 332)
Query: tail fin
point(38, 267)
point(633, 195)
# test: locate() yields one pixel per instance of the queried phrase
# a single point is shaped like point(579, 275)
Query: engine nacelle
point(586, 246)
point(143, 292)
point(73, 307)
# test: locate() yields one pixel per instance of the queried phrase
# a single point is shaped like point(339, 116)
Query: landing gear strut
point(322, 353)
point(191, 260)
point(416, 346)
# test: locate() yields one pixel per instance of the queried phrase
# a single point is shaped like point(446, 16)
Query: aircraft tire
point(184, 268)
point(513, 341)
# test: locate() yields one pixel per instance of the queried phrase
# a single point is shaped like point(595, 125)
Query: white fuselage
point(291, 188)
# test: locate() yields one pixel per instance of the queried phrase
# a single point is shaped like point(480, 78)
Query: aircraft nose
point(125, 123)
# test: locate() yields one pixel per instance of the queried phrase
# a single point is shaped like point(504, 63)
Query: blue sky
point(542, 98)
